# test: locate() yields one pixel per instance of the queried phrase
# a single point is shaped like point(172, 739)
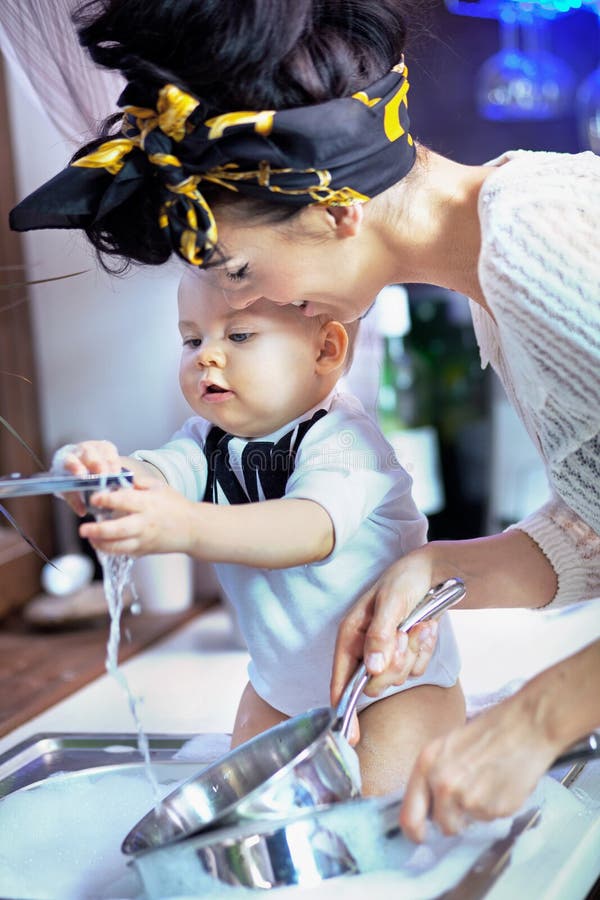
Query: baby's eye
point(240, 274)
point(238, 337)
point(192, 342)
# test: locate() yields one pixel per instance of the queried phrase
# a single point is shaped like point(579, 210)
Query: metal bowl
point(344, 839)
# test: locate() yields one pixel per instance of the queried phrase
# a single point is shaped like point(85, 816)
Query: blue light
point(497, 9)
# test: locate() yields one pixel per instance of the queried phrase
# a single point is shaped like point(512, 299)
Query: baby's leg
point(254, 715)
point(395, 729)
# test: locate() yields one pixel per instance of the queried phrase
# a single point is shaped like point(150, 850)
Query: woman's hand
point(369, 631)
point(151, 518)
point(488, 768)
point(484, 770)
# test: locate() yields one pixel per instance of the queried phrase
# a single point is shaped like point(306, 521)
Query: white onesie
point(289, 617)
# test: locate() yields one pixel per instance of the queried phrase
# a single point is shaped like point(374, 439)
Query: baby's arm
point(272, 534)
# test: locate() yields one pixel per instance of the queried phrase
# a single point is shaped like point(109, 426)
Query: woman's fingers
point(416, 805)
point(389, 609)
point(422, 641)
point(435, 790)
point(369, 631)
point(483, 770)
point(397, 592)
point(349, 645)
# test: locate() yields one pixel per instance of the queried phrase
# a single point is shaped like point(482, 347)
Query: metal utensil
point(17, 485)
point(585, 749)
point(350, 837)
point(492, 861)
point(299, 764)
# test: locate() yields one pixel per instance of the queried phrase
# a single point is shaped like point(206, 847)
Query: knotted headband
point(337, 153)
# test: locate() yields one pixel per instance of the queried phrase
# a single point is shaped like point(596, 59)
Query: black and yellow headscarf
point(337, 153)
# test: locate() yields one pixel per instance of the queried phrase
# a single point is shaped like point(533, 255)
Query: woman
point(270, 143)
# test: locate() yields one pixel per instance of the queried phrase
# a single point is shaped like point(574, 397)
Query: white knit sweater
point(539, 270)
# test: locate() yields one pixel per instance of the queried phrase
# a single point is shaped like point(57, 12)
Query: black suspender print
point(264, 463)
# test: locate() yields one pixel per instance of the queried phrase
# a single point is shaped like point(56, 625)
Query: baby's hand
point(152, 518)
point(86, 458)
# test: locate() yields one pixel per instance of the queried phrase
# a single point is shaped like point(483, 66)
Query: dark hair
point(232, 54)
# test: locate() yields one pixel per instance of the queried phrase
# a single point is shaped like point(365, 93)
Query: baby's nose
point(211, 354)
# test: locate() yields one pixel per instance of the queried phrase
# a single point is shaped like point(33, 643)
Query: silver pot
point(303, 763)
point(348, 838)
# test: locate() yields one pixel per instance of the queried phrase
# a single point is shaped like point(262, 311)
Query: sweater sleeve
point(571, 546)
point(539, 273)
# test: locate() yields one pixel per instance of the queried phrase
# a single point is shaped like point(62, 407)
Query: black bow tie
point(266, 463)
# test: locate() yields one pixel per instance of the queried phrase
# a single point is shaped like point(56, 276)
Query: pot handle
point(433, 604)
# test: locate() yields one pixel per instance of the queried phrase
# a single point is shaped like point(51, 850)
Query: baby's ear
point(333, 347)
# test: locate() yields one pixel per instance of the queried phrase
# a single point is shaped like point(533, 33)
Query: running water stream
point(116, 572)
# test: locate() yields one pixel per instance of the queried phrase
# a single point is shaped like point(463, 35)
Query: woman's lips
point(309, 309)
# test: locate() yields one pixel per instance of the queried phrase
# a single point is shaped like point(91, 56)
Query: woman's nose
point(240, 299)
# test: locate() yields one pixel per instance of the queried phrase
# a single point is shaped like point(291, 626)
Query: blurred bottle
point(405, 399)
point(442, 333)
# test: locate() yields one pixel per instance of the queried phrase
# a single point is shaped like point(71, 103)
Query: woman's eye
point(192, 342)
point(239, 337)
point(239, 275)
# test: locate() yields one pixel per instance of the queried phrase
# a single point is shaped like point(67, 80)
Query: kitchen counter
point(190, 683)
point(39, 668)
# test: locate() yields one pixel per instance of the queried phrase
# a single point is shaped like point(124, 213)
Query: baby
point(293, 492)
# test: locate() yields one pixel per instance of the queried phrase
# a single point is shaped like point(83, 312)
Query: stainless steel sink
point(43, 755)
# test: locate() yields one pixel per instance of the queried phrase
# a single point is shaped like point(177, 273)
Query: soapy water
point(60, 840)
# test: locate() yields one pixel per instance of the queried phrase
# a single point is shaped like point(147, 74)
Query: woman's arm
point(500, 571)
point(488, 767)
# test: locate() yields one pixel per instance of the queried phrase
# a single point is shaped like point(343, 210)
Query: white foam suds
point(61, 840)
point(204, 746)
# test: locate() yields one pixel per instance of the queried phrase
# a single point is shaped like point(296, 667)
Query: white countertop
point(191, 681)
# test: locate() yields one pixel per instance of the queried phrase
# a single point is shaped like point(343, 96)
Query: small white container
point(67, 574)
point(163, 582)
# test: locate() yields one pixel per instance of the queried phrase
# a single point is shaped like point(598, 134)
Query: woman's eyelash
point(241, 273)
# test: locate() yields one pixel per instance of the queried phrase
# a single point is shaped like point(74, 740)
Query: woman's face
point(308, 260)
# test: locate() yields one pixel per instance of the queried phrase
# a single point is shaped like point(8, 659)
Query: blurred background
point(95, 356)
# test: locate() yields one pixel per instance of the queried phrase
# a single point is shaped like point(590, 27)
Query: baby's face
point(248, 371)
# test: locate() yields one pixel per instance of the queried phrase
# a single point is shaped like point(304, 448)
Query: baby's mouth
point(213, 392)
